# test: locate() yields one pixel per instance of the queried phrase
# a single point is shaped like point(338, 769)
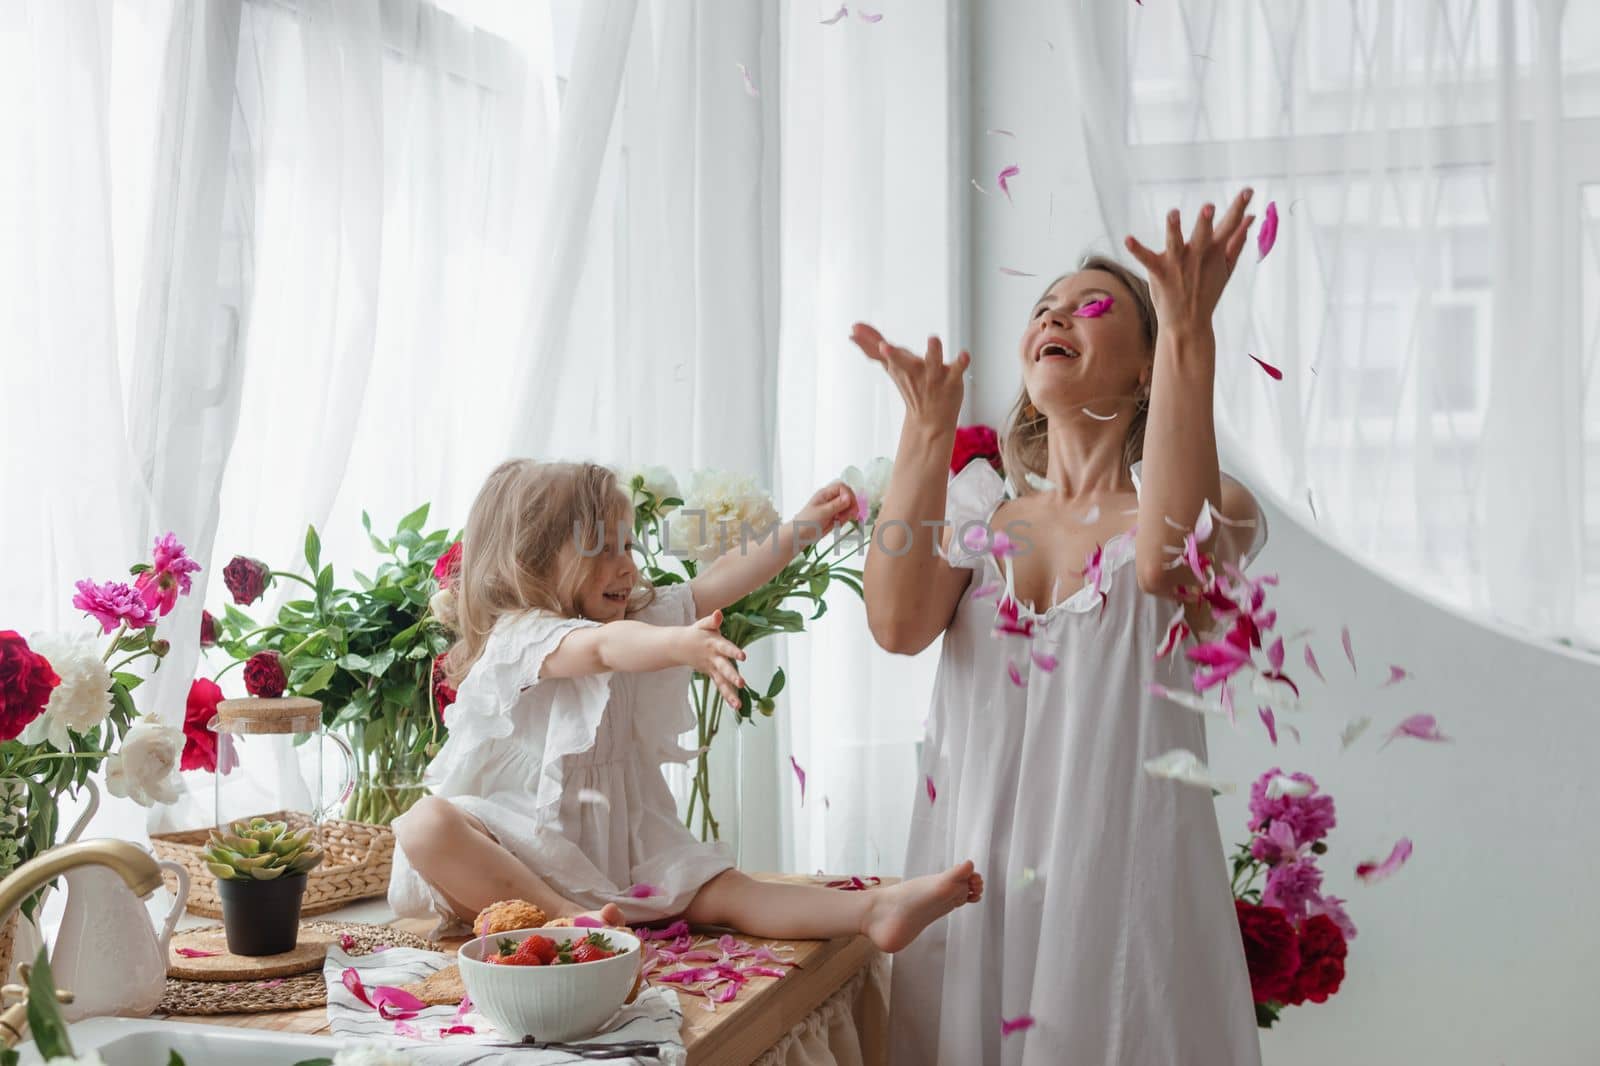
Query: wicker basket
point(8, 944)
point(359, 858)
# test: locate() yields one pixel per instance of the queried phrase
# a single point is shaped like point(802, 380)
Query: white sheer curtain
point(1434, 297)
point(872, 121)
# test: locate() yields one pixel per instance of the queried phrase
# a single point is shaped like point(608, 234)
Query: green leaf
point(317, 681)
point(325, 581)
point(413, 521)
point(175, 1059)
point(45, 1024)
point(778, 681)
point(9, 1057)
point(313, 549)
point(315, 1062)
point(127, 680)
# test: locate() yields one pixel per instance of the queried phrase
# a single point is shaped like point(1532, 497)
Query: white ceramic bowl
point(555, 1003)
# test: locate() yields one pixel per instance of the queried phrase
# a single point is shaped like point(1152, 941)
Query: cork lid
point(287, 714)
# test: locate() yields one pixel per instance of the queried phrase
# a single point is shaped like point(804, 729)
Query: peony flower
point(1271, 950)
point(1322, 953)
point(722, 511)
point(145, 768)
point(1277, 845)
point(1292, 885)
point(975, 442)
point(1333, 907)
point(169, 578)
point(655, 480)
point(443, 694)
point(113, 604)
point(247, 579)
point(26, 683)
point(263, 675)
point(83, 698)
point(1309, 816)
point(869, 486)
point(200, 743)
point(448, 566)
point(208, 630)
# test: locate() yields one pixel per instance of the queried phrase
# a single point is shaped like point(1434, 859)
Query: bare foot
point(899, 912)
point(610, 915)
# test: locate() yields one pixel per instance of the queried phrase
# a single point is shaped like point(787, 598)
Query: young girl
point(573, 689)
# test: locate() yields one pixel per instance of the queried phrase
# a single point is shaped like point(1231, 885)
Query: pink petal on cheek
point(1272, 372)
point(1021, 1023)
point(1373, 872)
point(1267, 236)
point(1094, 308)
point(1311, 663)
point(800, 775)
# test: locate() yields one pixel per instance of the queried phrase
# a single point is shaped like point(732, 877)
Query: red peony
point(199, 742)
point(1271, 950)
point(1322, 952)
point(247, 579)
point(448, 566)
point(975, 442)
point(26, 681)
point(263, 675)
point(443, 694)
point(208, 630)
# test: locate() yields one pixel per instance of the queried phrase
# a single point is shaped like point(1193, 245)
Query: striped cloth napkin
point(655, 1016)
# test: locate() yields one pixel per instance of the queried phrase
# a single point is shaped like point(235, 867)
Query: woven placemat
point(219, 964)
point(283, 993)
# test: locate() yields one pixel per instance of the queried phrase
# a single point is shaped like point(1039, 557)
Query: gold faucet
point(133, 864)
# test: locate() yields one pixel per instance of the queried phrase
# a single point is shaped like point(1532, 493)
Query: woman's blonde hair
point(1024, 441)
point(513, 553)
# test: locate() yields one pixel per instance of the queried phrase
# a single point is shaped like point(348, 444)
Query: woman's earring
point(1029, 411)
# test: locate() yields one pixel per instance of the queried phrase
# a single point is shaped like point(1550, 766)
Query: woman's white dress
point(566, 772)
point(1106, 914)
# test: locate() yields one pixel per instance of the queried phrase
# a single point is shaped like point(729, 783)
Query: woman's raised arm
point(911, 592)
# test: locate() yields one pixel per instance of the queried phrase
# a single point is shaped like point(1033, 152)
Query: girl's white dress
point(1106, 914)
point(566, 772)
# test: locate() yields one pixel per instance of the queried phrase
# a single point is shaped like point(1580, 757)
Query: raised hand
point(829, 507)
point(704, 648)
point(931, 387)
point(1187, 279)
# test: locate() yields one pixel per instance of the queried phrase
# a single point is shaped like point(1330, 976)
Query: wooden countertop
point(767, 1007)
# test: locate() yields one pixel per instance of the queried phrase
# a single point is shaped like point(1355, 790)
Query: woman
point(1109, 919)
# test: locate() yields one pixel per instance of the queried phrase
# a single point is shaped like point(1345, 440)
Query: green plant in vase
point(679, 535)
point(368, 653)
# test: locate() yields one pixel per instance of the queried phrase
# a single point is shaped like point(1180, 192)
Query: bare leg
point(456, 854)
point(891, 916)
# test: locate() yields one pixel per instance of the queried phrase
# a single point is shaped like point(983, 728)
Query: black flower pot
point(261, 917)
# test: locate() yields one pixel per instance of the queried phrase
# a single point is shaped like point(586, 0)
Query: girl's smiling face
point(1070, 361)
point(612, 576)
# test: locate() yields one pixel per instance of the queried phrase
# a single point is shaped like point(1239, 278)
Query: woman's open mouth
point(1056, 350)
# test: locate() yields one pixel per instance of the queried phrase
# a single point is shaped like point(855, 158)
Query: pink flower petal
point(390, 1002)
point(406, 1029)
point(987, 589)
point(726, 993)
point(1094, 308)
point(643, 891)
point(1012, 272)
point(1349, 652)
point(837, 15)
point(1373, 872)
point(589, 921)
point(800, 775)
point(352, 981)
point(865, 17)
point(932, 792)
point(1014, 674)
point(1269, 720)
point(1267, 236)
point(1396, 674)
point(1177, 630)
point(671, 932)
point(347, 942)
point(1005, 176)
point(1417, 727)
point(195, 953)
point(1020, 1023)
point(1044, 661)
point(458, 1029)
point(463, 1009)
point(1272, 372)
point(749, 82)
point(1311, 662)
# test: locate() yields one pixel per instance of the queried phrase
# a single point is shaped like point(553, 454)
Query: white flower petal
point(1184, 767)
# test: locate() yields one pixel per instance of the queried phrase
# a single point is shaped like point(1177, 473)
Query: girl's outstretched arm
point(746, 567)
point(632, 647)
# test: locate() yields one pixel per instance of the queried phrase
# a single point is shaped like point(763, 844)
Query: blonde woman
point(1108, 919)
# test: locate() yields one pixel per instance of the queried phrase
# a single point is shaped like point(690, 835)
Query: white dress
point(1106, 914)
point(566, 772)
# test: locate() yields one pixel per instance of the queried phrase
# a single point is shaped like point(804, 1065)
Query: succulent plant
point(261, 850)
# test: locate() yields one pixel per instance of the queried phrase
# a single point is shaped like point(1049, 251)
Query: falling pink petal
point(837, 15)
point(865, 17)
point(1272, 372)
point(459, 1029)
point(932, 792)
point(1417, 727)
point(1269, 720)
point(1349, 652)
point(643, 891)
point(1044, 661)
point(1012, 272)
point(1396, 675)
point(1094, 308)
point(1014, 674)
point(1292, 731)
point(1268, 234)
point(1020, 1023)
point(1176, 632)
point(1373, 872)
point(1005, 176)
point(800, 775)
point(749, 82)
point(1311, 663)
point(1097, 416)
point(463, 1009)
point(195, 953)
point(1000, 133)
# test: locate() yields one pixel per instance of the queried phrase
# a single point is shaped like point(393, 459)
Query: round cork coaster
point(185, 961)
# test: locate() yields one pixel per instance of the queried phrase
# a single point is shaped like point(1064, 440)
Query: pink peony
point(1276, 846)
point(448, 566)
point(113, 604)
point(1333, 907)
point(1291, 886)
point(169, 578)
point(1310, 817)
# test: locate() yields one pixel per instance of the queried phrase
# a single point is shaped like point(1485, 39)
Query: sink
point(146, 1041)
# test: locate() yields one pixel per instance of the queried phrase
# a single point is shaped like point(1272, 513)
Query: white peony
point(369, 1055)
point(145, 769)
point(870, 484)
point(720, 513)
point(81, 701)
point(656, 480)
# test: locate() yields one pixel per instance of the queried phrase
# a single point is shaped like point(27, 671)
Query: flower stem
point(115, 640)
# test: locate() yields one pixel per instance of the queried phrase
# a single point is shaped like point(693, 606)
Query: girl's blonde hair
point(1024, 445)
point(514, 555)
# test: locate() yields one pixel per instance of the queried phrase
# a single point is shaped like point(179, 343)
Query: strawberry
point(545, 947)
point(529, 953)
point(587, 952)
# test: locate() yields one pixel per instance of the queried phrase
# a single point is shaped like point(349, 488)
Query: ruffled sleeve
point(503, 695)
point(970, 501)
point(661, 708)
